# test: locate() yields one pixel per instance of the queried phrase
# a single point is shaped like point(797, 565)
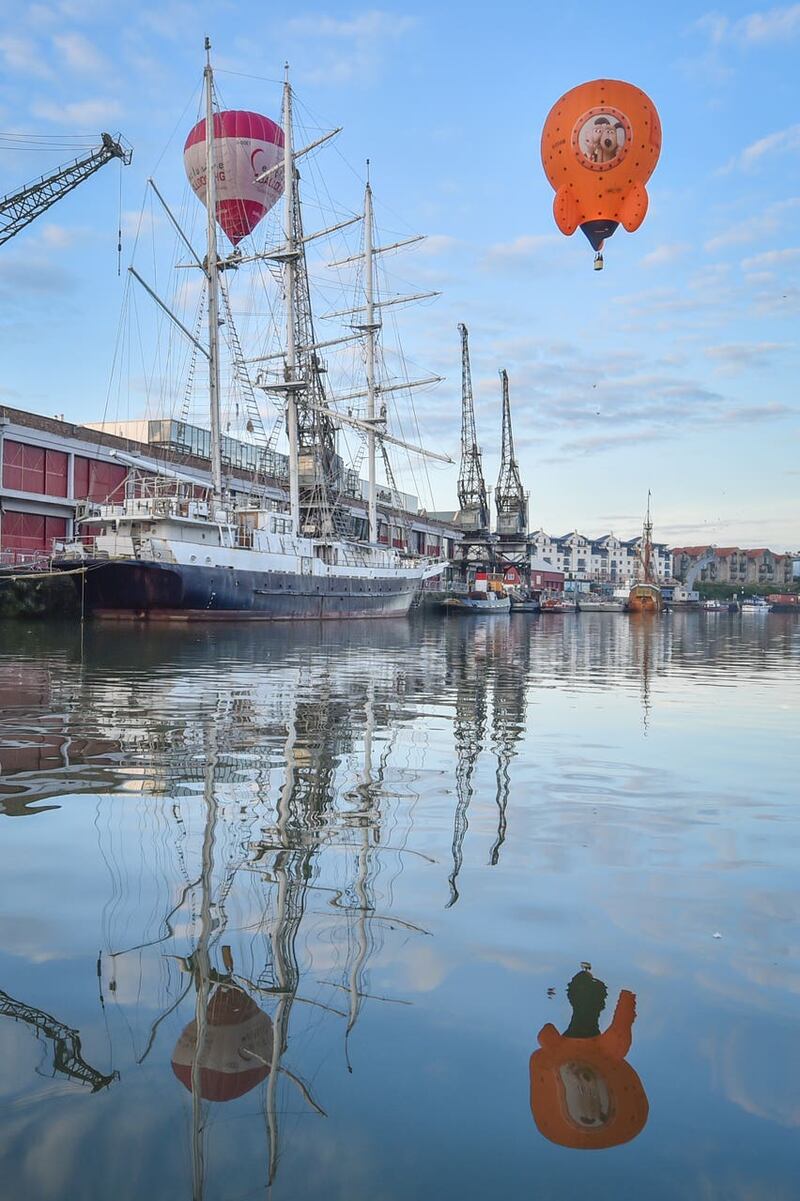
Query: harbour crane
point(67, 1056)
point(19, 208)
point(510, 497)
point(473, 515)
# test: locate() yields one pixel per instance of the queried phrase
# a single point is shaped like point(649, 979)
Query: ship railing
point(79, 546)
point(36, 560)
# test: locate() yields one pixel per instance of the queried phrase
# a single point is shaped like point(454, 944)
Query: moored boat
point(523, 601)
point(479, 602)
point(645, 595)
point(601, 604)
point(755, 604)
point(557, 604)
point(170, 549)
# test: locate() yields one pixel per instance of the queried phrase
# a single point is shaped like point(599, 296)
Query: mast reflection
point(293, 808)
point(584, 1094)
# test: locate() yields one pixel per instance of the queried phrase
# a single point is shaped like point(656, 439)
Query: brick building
point(49, 466)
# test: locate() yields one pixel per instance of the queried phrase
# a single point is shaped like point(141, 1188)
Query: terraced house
point(606, 559)
point(733, 565)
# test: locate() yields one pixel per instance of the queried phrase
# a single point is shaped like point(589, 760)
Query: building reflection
point(584, 1094)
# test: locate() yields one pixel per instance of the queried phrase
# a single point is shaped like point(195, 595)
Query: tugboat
point(488, 596)
point(645, 595)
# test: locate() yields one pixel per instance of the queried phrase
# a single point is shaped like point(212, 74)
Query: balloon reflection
point(584, 1094)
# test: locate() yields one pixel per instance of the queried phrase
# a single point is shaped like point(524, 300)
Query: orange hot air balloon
point(600, 145)
point(584, 1094)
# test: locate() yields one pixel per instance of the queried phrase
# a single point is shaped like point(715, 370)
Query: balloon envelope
point(600, 145)
point(245, 145)
point(236, 1052)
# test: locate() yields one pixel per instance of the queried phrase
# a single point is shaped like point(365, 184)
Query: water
point(370, 858)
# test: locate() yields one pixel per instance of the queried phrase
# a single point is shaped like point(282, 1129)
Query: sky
point(673, 370)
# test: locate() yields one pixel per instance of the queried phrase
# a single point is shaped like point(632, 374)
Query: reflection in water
point(68, 1059)
point(260, 828)
point(270, 757)
point(584, 1094)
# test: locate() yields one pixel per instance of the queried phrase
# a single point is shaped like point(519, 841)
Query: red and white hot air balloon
point(237, 1050)
point(245, 145)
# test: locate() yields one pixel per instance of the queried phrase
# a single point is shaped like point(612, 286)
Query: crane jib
point(19, 208)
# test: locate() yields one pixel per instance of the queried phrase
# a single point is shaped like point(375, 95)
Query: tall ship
point(169, 549)
point(645, 595)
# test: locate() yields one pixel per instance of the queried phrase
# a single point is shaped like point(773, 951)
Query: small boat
point(601, 604)
point(557, 604)
point(755, 604)
point(719, 606)
point(524, 602)
point(479, 602)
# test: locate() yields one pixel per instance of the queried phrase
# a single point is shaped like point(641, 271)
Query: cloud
point(743, 414)
point(666, 253)
point(771, 258)
point(78, 53)
point(520, 253)
point(599, 443)
point(372, 24)
point(733, 357)
point(88, 114)
point(349, 49)
point(774, 25)
point(778, 24)
point(58, 237)
point(436, 244)
point(20, 276)
point(23, 55)
point(759, 225)
point(774, 143)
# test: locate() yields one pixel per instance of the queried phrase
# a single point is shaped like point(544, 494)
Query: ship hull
point(645, 598)
point(133, 590)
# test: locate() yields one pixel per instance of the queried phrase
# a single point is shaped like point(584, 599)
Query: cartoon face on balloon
point(600, 145)
point(601, 138)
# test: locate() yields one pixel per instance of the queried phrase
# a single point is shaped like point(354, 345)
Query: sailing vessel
point(645, 595)
point(171, 550)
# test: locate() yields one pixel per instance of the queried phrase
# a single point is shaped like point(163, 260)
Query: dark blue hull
point(129, 589)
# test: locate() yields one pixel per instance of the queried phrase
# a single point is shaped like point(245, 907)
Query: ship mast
point(212, 273)
point(370, 328)
point(647, 545)
point(290, 288)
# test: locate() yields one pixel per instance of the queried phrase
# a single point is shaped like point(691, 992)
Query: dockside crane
point(510, 497)
point(473, 515)
point(19, 208)
point(67, 1056)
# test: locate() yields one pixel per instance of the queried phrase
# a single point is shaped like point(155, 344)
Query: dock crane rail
point(19, 208)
